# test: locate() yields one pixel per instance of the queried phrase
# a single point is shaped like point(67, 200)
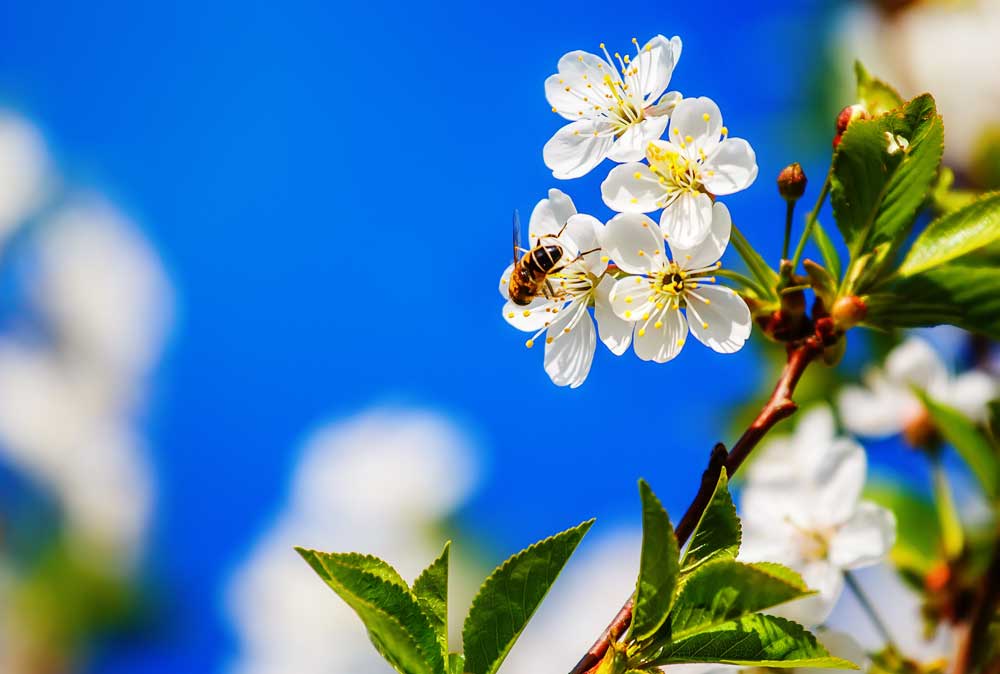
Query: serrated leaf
point(964, 296)
point(723, 590)
point(509, 597)
point(658, 568)
point(827, 249)
point(396, 625)
point(718, 533)
point(753, 641)
point(760, 270)
point(431, 590)
point(970, 443)
point(456, 663)
point(956, 234)
point(877, 96)
point(876, 195)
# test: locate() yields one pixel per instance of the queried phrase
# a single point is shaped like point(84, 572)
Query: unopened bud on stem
point(848, 311)
point(792, 182)
point(846, 116)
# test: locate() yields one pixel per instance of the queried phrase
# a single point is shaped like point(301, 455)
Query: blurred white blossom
point(802, 507)
point(886, 404)
point(24, 171)
point(378, 483)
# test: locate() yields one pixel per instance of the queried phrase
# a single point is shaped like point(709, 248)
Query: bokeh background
point(247, 301)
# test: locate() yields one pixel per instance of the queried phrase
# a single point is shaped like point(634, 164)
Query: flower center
point(624, 91)
point(676, 171)
point(814, 544)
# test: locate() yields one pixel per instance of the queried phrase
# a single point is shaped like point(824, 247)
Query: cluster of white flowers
point(622, 269)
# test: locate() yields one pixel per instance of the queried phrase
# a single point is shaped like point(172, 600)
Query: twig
point(779, 406)
point(976, 637)
point(869, 609)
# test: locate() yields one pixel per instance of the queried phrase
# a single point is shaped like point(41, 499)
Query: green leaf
point(876, 195)
point(431, 590)
point(658, 568)
point(717, 535)
point(724, 590)
point(753, 641)
point(456, 663)
point(827, 249)
point(875, 95)
point(509, 597)
point(918, 534)
point(956, 234)
point(964, 296)
point(396, 625)
point(970, 443)
point(766, 277)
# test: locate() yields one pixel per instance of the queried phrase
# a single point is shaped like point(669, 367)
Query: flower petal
point(615, 332)
point(916, 363)
point(970, 392)
point(722, 324)
point(505, 281)
point(688, 220)
point(690, 129)
point(836, 480)
point(632, 188)
point(865, 539)
point(878, 410)
point(660, 344)
point(564, 95)
point(732, 168)
point(531, 317)
point(631, 145)
point(585, 231)
point(710, 250)
point(666, 105)
point(577, 148)
point(570, 353)
point(655, 64)
point(630, 298)
point(550, 215)
point(634, 242)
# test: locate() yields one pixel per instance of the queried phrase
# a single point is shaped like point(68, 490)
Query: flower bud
point(792, 182)
point(846, 116)
point(848, 311)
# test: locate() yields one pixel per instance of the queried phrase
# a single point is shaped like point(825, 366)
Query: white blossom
point(662, 297)
point(802, 507)
point(886, 404)
point(613, 111)
point(562, 311)
point(24, 171)
point(697, 160)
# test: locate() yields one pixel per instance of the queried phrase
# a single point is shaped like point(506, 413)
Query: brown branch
point(779, 406)
point(974, 643)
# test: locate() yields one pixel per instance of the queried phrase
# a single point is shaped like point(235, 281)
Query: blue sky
point(330, 187)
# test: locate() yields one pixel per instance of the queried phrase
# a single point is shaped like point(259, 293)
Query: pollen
point(637, 175)
point(658, 324)
point(566, 330)
point(680, 342)
point(548, 340)
point(628, 299)
point(633, 199)
point(526, 313)
point(510, 315)
point(605, 258)
point(554, 110)
point(688, 139)
point(641, 252)
point(706, 117)
point(642, 331)
point(704, 325)
point(645, 317)
point(628, 314)
point(530, 343)
point(725, 131)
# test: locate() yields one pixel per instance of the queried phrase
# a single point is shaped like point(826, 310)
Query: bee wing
point(517, 233)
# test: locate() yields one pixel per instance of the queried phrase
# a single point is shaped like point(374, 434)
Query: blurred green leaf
point(827, 249)
point(918, 534)
point(964, 296)
point(658, 568)
point(954, 235)
point(875, 95)
point(456, 663)
point(509, 597)
point(753, 641)
point(396, 625)
point(876, 195)
point(717, 535)
point(970, 443)
point(431, 590)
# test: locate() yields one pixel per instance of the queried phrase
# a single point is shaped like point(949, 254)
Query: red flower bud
point(792, 182)
point(846, 116)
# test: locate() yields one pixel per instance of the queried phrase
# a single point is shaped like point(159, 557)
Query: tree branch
point(779, 406)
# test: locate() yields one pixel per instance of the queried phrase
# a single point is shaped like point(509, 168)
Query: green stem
point(811, 220)
point(869, 608)
point(789, 214)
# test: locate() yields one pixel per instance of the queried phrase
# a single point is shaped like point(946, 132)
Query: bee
point(529, 278)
